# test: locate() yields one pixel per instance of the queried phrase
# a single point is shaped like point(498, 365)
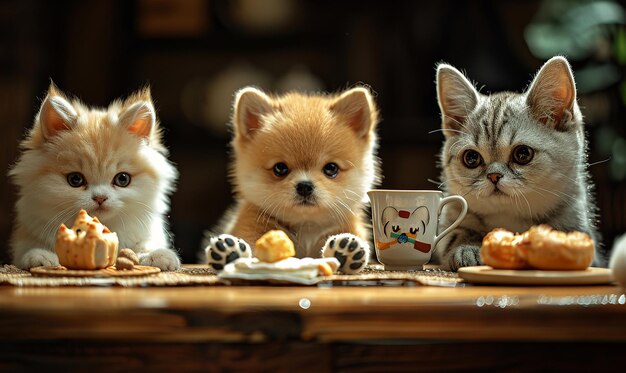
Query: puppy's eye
point(122, 179)
point(331, 170)
point(280, 169)
point(523, 154)
point(413, 230)
point(395, 228)
point(472, 158)
point(76, 179)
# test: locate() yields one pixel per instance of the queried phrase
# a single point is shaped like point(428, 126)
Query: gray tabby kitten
point(518, 159)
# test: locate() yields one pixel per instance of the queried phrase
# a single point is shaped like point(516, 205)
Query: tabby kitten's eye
point(280, 169)
point(395, 228)
point(76, 179)
point(413, 230)
point(331, 170)
point(122, 179)
point(523, 154)
point(472, 159)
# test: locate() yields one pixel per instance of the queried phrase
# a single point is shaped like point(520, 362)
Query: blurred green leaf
point(572, 28)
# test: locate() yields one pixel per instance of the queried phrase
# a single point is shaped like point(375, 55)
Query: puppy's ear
point(552, 94)
point(457, 98)
point(56, 113)
point(251, 104)
point(357, 109)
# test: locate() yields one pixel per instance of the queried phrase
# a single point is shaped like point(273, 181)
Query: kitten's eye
point(281, 169)
point(76, 179)
point(331, 170)
point(472, 159)
point(523, 154)
point(413, 230)
point(122, 179)
point(395, 228)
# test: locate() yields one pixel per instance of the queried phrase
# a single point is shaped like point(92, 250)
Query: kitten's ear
point(56, 114)
point(139, 118)
point(552, 94)
point(386, 216)
point(457, 97)
point(358, 109)
point(250, 105)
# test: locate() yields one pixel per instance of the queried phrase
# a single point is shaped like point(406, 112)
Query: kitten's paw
point(465, 256)
point(165, 259)
point(224, 249)
point(38, 257)
point(352, 252)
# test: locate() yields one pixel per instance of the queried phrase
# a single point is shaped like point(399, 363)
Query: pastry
point(273, 246)
point(552, 249)
point(541, 247)
point(274, 256)
point(128, 254)
point(87, 245)
point(123, 263)
point(501, 250)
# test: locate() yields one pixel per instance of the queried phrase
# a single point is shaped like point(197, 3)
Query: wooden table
point(286, 329)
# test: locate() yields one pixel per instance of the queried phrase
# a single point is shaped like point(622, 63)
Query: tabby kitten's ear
point(139, 117)
point(552, 94)
point(357, 107)
point(457, 98)
point(56, 113)
point(250, 105)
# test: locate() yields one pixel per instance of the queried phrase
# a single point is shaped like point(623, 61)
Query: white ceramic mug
point(406, 224)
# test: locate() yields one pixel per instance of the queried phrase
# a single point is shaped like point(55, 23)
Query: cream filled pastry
point(87, 245)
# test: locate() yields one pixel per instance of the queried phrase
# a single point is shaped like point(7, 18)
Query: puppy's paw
point(38, 257)
point(224, 249)
point(352, 252)
point(165, 259)
point(465, 256)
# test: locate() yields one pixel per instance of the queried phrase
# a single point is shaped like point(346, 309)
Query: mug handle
point(458, 220)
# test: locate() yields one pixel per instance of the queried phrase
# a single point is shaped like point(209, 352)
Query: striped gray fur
point(553, 188)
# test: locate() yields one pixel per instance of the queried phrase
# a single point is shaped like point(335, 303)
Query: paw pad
point(351, 251)
point(224, 249)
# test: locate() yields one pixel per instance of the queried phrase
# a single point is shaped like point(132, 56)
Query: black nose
point(305, 188)
point(494, 177)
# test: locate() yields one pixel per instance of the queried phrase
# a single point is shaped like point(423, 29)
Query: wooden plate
point(60, 271)
point(488, 275)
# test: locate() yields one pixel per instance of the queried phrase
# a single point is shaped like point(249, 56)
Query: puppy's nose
point(494, 177)
point(100, 199)
point(305, 188)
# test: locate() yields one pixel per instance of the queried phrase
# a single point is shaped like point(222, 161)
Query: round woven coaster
point(60, 271)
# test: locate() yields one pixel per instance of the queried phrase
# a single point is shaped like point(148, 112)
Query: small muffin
point(273, 246)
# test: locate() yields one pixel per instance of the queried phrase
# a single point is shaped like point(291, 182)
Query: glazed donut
point(541, 247)
point(501, 249)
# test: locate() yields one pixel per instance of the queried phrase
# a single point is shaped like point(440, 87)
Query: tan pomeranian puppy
point(301, 164)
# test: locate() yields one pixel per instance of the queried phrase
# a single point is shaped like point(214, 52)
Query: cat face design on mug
point(405, 227)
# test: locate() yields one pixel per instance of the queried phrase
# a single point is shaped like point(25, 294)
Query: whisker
point(448, 129)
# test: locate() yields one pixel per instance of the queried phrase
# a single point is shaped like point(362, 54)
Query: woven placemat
point(199, 275)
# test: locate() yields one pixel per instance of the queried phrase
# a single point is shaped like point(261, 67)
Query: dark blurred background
point(196, 53)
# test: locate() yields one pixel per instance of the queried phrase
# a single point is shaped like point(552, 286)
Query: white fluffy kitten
point(109, 162)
